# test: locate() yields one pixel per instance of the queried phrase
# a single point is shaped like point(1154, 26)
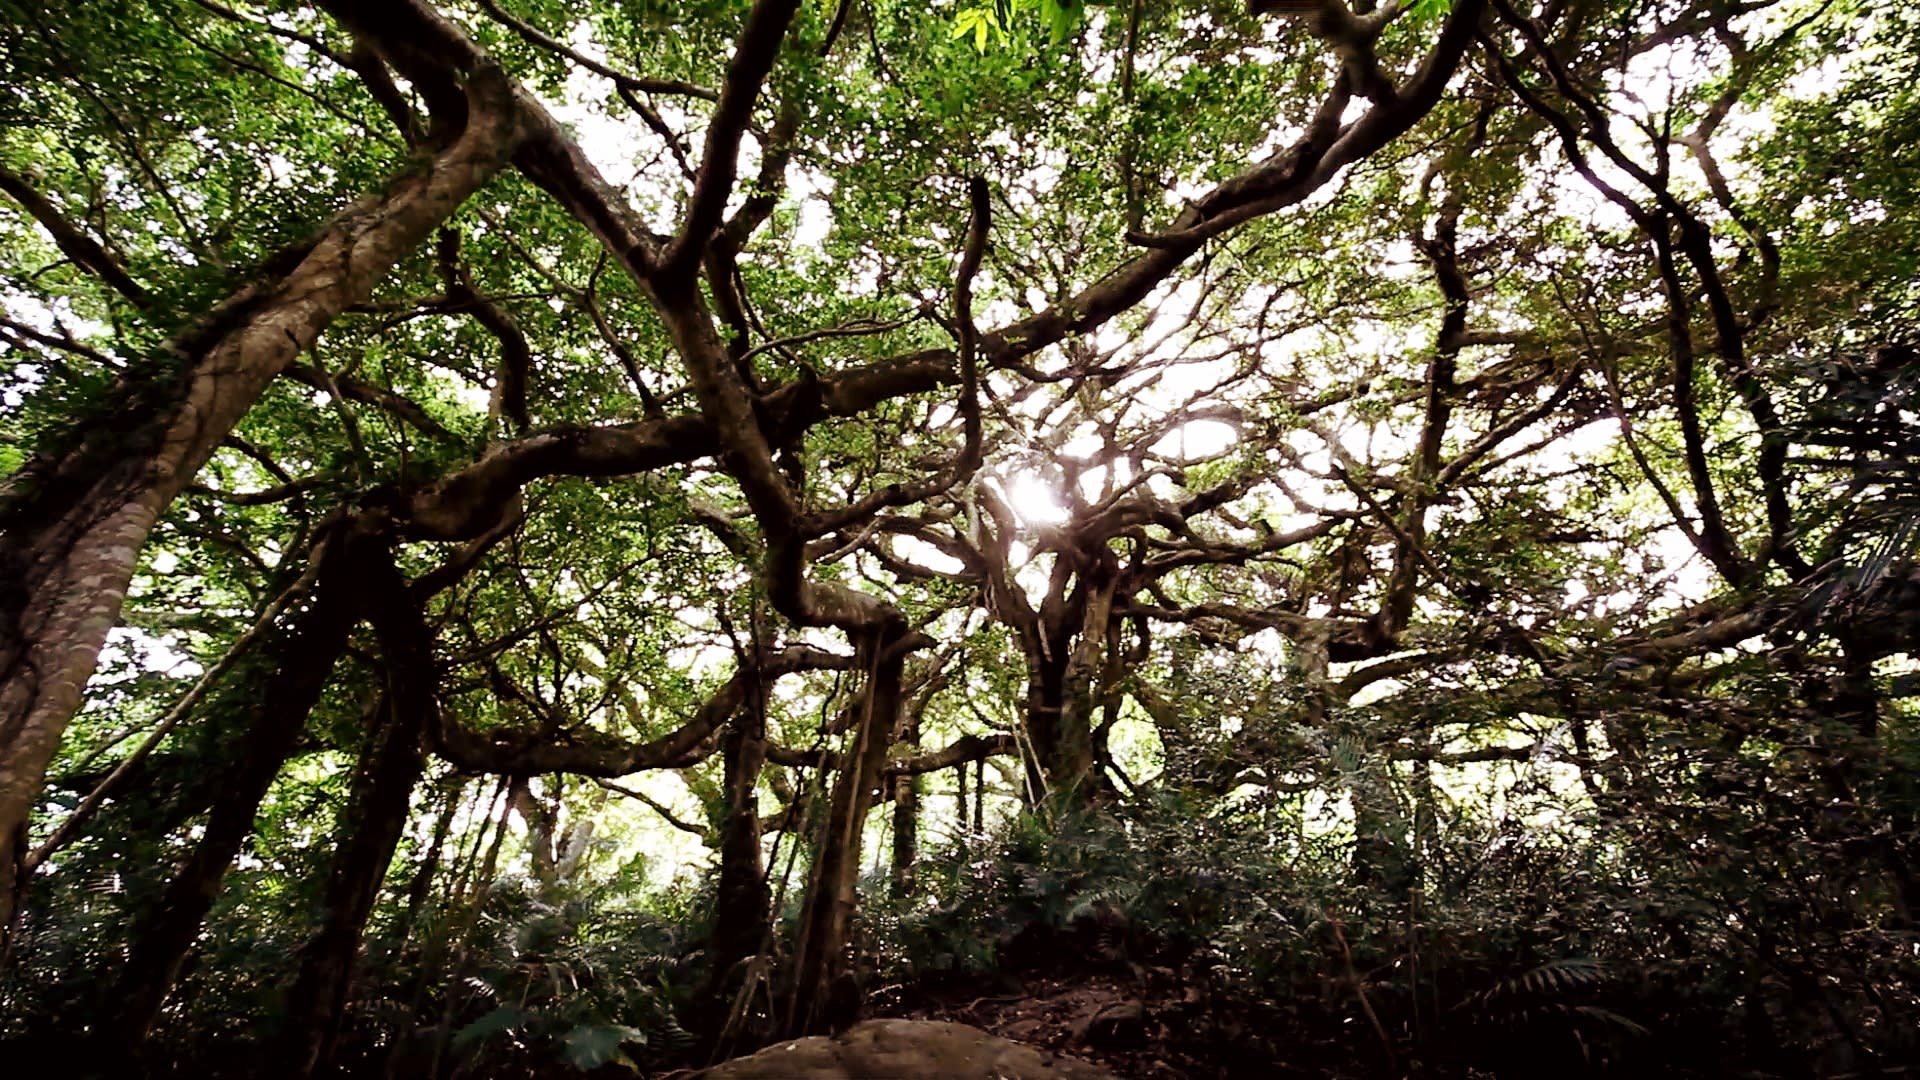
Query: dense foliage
point(539, 538)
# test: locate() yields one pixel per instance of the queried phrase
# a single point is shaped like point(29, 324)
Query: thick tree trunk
point(1046, 716)
point(744, 904)
point(1063, 691)
point(304, 656)
point(827, 912)
point(391, 764)
point(1850, 753)
point(1079, 773)
point(73, 524)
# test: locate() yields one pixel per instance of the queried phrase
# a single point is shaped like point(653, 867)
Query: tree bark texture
point(73, 523)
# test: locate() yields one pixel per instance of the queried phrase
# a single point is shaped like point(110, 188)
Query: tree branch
point(86, 252)
point(753, 58)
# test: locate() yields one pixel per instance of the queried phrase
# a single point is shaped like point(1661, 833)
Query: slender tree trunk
point(960, 805)
point(980, 797)
point(73, 523)
point(474, 903)
point(421, 884)
point(376, 815)
point(906, 817)
point(740, 923)
point(1380, 856)
point(827, 912)
point(540, 822)
point(305, 655)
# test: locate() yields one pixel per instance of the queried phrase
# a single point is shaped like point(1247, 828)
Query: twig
point(1360, 992)
point(653, 804)
point(621, 79)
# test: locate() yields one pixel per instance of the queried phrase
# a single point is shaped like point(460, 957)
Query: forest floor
point(1141, 1023)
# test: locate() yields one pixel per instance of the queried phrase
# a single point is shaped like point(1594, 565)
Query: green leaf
point(1062, 18)
point(975, 21)
point(590, 1046)
point(492, 1025)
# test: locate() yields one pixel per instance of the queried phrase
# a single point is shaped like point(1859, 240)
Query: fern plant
point(566, 978)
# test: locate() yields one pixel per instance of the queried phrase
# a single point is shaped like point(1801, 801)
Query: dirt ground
point(1143, 1024)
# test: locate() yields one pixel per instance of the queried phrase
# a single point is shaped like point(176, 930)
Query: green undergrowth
point(1509, 950)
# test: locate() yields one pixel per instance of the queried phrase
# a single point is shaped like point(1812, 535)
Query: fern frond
point(1553, 977)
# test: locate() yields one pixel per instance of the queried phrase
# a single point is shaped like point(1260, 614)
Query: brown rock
point(894, 1049)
